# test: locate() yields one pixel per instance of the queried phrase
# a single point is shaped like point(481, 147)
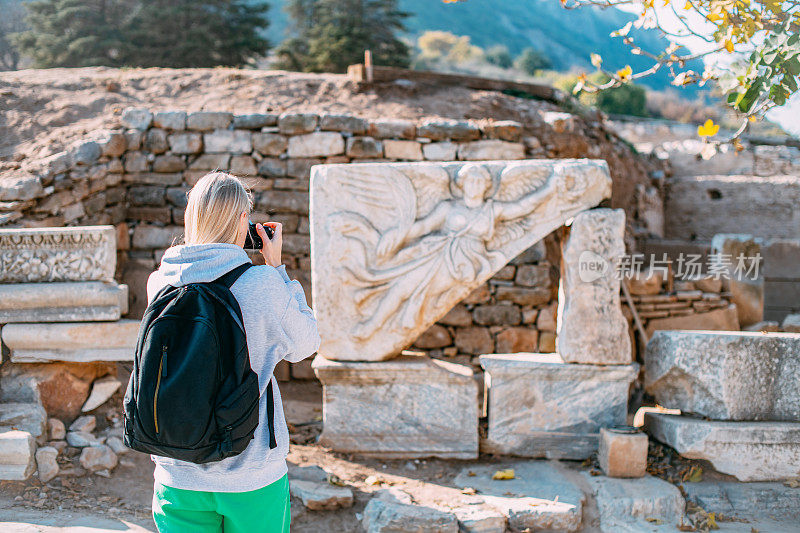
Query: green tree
point(74, 33)
point(500, 56)
point(329, 35)
point(531, 60)
point(12, 21)
point(192, 33)
point(628, 99)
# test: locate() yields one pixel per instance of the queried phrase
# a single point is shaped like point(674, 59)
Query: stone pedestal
point(62, 301)
point(592, 328)
point(540, 406)
point(726, 375)
point(74, 342)
point(750, 451)
point(404, 408)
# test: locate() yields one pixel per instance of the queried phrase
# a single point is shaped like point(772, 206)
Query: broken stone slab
point(627, 504)
point(750, 451)
point(102, 390)
point(84, 301)
point(540, 406)
point(381, 516)
point(405, 408)
point(82, 253)
point(96, 458)
point(724, 319)
point(46, 463)
point(321, 496)
point(307, 473)
point(726, 376)
point(753, 502)
point(393, 269)
point(740, 257)
point(75, 342)
point(540, 497)
point(28, 417)
point(593, 329)
point(480, 519)
point(17, 461)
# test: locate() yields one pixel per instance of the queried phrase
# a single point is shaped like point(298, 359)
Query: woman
point(250, 491)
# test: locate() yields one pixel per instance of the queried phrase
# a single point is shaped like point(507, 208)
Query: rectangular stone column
point(540, 406)
point(74, 342)
point(404, 408)
point(592, 327)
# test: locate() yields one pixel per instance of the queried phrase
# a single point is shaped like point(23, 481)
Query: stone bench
point(74, 342)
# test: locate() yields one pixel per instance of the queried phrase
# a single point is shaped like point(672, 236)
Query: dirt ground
point(43, 111)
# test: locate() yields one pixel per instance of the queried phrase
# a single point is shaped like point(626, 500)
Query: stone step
point(750, 451)
point(540, 406)
point(74, 342)
point(85, 301)
point(17, 460)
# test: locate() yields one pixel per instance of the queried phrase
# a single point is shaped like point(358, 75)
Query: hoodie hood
point(200, 263)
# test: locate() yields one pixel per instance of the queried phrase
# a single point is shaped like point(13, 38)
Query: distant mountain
point(568, 37)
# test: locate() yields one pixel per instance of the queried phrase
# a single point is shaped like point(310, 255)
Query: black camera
point(253, 241)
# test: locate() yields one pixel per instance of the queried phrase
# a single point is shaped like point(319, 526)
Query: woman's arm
point(298, 322)
point(505, 211)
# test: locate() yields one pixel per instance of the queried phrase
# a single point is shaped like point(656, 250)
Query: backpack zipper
point(162, 371)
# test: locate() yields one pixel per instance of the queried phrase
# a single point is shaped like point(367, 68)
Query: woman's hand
point(272, 247)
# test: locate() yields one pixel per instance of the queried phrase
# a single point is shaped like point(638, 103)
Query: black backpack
point(192, 394)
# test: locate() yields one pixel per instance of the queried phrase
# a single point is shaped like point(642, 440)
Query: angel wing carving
point(517, 181)
point(388, 200)
point(432, 186)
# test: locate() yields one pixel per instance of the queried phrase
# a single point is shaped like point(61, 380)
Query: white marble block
point(408, 407)
point(540, 406)
point(750, 451)
point(82, 301)
point(74, 342)
point(726, 375)
point(84, 253)
point(17, 460)
point(592, 327)
point(394, 246)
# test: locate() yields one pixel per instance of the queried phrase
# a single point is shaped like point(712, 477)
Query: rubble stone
point(317, 144)
point(17, 460)
point(480, 519)
point(137, 118)
point(490, 149)
point(185, 143)
point(28, 417)
point(364, 147)
point(646, 282)
point(172, 120)
point(440, 130)
point(95, 458)
point(85, 423)
point(297, 123)
point(745, 277)
point(440, 151)
point(270, 144)
point(102, 390)
point(56, 429)
point(407, 150)
point(435, 336)
point(46, 463)
point(348, 123)
point(208, 120)
point(255, 121)
point(517, 339)
point(474, 340)
point(321, 496)
point(391, 129)
point(382, 516)
point(234, 141)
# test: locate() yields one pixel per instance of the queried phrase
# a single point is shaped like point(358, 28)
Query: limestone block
point(750, 501)
point(56, 429)
point(208, 120)
point(46, 463)
point(443, 151)
point(317, 144)
point(593, 329)
point(646, 282)
point(321, 496)
point(86, 301)
point(405, 408)
point(296, 123)
point(76, 342)
point(726, 376)
point(741, 254)
point(348, 123)
point(749, 451)
point(255, 121)
point(20, 187)
point(791, 323)
point(364, 147)
point(17, 460)
point(410, 150)
point(269, 144)
point(508, 130)
point(381, 516)
point(185, 143)
point(439, 130)
point(172, 120)
point(622, 454)
point(480, 519)
point(234, 141)
point(94, 458)
point(87, 253)
point(541, 407)
point(392, 269)
point(391, 129)
point(541, 496)
point(136, 118)
point(724, 319)
point(490, 149)
point(28, 417)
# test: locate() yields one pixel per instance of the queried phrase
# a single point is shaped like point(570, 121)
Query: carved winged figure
point(429, 233)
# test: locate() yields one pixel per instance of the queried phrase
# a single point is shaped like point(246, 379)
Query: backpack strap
point(271, 415)
point(230, 278)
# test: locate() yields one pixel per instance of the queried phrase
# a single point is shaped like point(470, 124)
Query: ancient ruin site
point(534, 317)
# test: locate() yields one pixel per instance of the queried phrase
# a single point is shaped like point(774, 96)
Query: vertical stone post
point(739, 257)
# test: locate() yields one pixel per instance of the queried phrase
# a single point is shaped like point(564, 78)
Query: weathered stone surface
point(137, 118)
point(28, 417)
point(46, 463)
point(508, 130)
point(117, 446)
point(724, 319)
point(791, 324)
point(474, 340)
point(741, 258)
point(622, 454)
point(519, 339)
point(82, 439)
point(235, 141)
point(540, 497)
point(346, 123)
point(185, 143)
point(523, 295)
point(102, 390)
point(726, 376)
point(17, 461)
point(364, 147)
point(20, 187)
point(480, 519)
point(392, 129)
point(307, 473)
point(625, 505)
point(541, 407)
point(435, 336)
point(317, 144)
point(85, 253)
point(148, 236)
point(270, 144)
point(409, 150)
point(427, 408)
point(496, 315)
point(94, 458)
point(646, 282)
point(593, 329)
point(208, 120)
point(381, 516)
point(442, 151)
point(490, 149)
point(173, 120)
point(76, 342)
point(62, 301)
point(440, 130)
point(168, 163)
point(86, 424)
point(765, 506)
point(255, 121)
point(749, 451)
point(321, 496)
point(297, 123)
point(243, 165)
point(56, 429)
point(392, 269)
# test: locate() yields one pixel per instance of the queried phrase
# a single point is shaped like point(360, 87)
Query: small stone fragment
point(102, 390)
point(94, 458)
point(46, 463)
point(384, 517)
point(56, 429)
point(80, 439)
point(321, 496)
point(85, 423)
point(117, 446)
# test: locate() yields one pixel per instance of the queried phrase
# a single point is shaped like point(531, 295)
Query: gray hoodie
point(278, 324)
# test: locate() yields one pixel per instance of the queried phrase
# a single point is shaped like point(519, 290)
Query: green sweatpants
point(265, 510)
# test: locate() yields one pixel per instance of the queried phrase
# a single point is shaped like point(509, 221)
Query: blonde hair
point(215, 205)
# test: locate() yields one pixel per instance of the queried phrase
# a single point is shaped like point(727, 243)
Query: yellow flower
point(625, 73)
point(729, 45)
point(687, 6)
point(504, 474)
point(709, 129)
